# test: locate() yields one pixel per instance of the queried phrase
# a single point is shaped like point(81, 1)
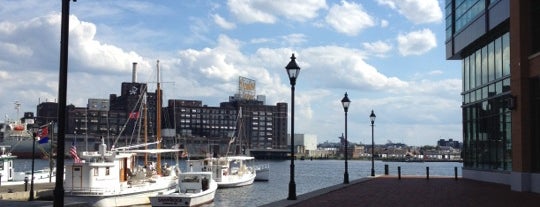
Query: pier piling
point(399, 172)
point(427, 173)
point(386, 169)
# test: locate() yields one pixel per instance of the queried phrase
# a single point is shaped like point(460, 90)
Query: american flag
point(73, 153)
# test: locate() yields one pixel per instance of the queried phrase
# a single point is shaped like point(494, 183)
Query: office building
point(498, 44)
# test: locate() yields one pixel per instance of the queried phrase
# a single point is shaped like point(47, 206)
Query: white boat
point(112, 177)
point(8, 175)
point(194, 188)
point(262, 172)
point(230, 171)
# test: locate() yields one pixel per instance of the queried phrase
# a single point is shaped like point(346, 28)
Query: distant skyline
point(388, 55)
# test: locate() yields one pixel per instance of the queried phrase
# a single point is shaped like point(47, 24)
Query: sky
point(388, 55)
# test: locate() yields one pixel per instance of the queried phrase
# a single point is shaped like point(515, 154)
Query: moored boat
point(9, 175)
point(230, 171)
point(112, 178)
point(194, 188)
point(19, 136)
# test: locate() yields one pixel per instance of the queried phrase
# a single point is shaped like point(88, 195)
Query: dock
point(413, 191)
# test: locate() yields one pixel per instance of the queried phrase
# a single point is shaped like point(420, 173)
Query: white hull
point(183, 199)
point(236, 181)
point(228, 172)
point(39, 177)
point(140, 198)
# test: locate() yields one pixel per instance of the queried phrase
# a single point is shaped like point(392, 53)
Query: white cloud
point(378, 48)
point(384, 23)
point(94, 54)
point(349, 18)
point(261, 11)
point(417, 11)
point(416, 42)
point(223, 23)
point(294, 39)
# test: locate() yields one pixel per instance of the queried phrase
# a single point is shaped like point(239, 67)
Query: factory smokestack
point(134, 75)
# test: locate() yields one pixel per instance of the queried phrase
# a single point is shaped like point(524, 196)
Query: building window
point(107, 171)
point(486, 116)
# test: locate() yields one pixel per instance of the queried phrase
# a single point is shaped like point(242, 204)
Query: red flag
point(134, 115)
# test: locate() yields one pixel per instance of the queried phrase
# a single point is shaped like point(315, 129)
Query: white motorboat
point(231, 171)
point(194, 188)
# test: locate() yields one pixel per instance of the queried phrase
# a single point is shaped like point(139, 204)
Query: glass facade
point(486, 114)
point(465, 12)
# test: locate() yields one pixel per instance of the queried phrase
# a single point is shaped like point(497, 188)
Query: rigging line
point(127, 121)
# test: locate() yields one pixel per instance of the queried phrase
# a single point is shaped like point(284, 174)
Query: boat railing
point(92, 191)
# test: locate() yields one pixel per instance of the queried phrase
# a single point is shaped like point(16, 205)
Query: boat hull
point(234, 181)
point(23, 148)
point(139, 198)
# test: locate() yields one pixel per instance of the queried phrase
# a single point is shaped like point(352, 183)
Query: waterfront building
point(498, 45)
point(200, 129)
point(46, 112)
point(208, 129)
point(449, 143)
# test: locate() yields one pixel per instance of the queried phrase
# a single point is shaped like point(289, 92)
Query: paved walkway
point(414, 191)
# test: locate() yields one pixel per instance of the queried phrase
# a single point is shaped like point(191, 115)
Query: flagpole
point(51, 161)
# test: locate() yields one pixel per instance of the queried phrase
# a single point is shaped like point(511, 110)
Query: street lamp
point(34, 136)
point(292, 70)
point(346, 102)
point(372, 118)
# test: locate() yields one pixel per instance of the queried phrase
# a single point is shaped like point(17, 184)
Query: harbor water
point(309, 176)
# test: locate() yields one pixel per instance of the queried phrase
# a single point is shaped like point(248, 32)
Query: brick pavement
point(415, 191)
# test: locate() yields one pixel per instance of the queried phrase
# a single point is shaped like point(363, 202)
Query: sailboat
point(231, 171)
point(112, 177)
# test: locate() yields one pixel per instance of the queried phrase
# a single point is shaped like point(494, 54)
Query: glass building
point(495, 41)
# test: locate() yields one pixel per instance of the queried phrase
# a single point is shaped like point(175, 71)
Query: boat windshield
point(190, 179)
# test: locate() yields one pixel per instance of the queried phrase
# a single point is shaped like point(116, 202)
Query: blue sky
point(389, 55)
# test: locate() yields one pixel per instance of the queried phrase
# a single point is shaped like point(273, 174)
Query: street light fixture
point(372, 118)
point(346, 102)
point(292, 70)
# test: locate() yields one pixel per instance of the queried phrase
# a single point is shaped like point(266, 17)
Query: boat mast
point(158, 120)
point(145, 115)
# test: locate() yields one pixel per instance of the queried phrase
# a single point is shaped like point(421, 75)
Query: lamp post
point(62, 99)
point(372, 118)
point(31, 198)
point(292, 71)
point(346, 102)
